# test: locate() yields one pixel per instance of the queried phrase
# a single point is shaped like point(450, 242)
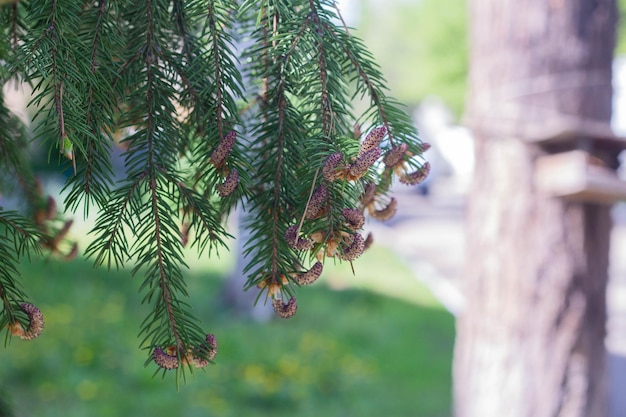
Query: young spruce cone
point(211, 351)
point(355, 218)
point(316, 205)
point(395, 155)
point(386, 212)
point(164, 359)
point(416, 177)
point(296, 242)
point(364, 162)
point(230, 183)
point(285, 310)
point(168, 359)
point(212, 342)
point(221, 152)
point(333, 167)
point(35, 323)
point(353, 250)
point(311, 275)
point(372, 140)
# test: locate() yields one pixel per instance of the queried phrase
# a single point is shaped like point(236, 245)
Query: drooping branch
point(163, 79)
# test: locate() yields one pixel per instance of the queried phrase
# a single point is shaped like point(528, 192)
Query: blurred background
point(381, 341)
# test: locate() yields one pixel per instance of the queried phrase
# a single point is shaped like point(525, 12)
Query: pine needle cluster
point(213, 104)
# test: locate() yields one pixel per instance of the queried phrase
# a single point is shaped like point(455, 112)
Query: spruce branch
point(280, 139)
point(15, 21)
point(368, 77)
point(325, 103)
point(157, 246)
point(164, 283)
point(179, 13)
point(93, 179)
point(150, 208)
point(277, 131)
point(110, 244)
point(163, 81)
point(19, 238)
point(218, 71)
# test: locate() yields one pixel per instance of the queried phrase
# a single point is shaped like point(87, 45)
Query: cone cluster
point(345, 242)
point(168, 358)
point(218, 159)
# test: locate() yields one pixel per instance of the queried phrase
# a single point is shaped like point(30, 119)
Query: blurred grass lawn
point(367, 345)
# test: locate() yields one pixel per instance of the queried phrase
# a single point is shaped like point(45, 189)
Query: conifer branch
point(372, 90)
point(15, 18)
point(97, 31)
point(277, 128)
point(178, 10)
point(343, 22)
point(280, 139)
point(109, 243)
point(163, 79)
point(218, 71)
point(21, 238)
point(164, 283)
point(326, 104)
point(152, 172)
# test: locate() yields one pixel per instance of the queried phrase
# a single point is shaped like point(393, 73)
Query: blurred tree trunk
point(233, 296)
point(530, 342)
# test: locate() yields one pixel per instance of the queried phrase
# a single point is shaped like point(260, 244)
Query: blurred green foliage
point(621, 28)
point(348, 352)
point(421, 47)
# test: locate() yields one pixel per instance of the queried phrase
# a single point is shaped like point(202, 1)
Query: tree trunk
point(243, 303)
point(531, 340)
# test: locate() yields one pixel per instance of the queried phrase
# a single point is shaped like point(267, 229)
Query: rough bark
point(537, 62)
point(531, 340)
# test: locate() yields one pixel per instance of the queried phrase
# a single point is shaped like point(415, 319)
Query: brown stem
point(277, 182)
point(326, 105)
point(152, 170)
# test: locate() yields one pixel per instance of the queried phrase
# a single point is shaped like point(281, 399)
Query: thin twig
point(308, 201)
point(218, 74)
point(343, 22)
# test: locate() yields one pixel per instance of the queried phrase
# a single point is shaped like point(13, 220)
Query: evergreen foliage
point(201, 131)
point(416, 70)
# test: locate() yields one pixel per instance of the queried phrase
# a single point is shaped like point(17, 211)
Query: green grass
point(367, 345)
